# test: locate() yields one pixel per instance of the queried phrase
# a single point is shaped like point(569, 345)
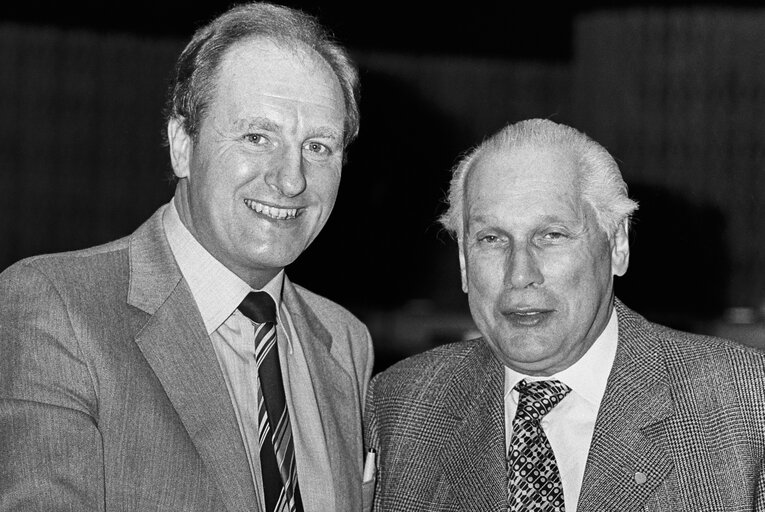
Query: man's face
point(537, 269)
point(261, 180)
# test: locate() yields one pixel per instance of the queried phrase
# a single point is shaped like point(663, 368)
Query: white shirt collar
point(589, 375)
point(216, 289)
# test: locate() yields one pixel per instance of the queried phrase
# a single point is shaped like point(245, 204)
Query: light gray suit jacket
point(111, 396)
point(686, 411)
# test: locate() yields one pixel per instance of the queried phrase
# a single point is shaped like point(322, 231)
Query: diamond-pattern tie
point(533, 479)
point(277, 451)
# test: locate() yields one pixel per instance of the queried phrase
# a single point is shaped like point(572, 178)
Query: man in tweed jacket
point(655, 419)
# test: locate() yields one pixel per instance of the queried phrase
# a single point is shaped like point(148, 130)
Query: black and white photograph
point(341, 256)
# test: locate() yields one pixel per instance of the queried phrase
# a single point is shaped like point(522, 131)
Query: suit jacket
point(112, 398)
point(686, 411)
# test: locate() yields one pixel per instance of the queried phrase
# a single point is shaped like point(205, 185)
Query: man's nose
point(523, 268)
point(287, 173)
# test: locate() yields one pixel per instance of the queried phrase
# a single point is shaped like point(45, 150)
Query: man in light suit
point(128, 376)
point(569, 400)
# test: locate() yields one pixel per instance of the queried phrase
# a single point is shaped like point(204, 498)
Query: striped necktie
point(277, 451)
point(533, 479)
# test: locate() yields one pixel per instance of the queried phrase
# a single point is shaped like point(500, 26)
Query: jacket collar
point(333, 386)
point(175, 345)
point(473, 456)
point(154, 274)
point(629, 457)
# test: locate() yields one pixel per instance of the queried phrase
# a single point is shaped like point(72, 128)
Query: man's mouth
point(527, 316)
point(273, 212)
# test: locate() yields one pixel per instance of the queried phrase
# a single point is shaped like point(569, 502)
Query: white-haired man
point(569, 400)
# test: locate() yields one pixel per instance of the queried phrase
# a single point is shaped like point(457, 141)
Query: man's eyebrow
point(325, 132)
point(556, 218)
point(264, 123)
point(259, 123)
point(483, 220)
point(490, 218)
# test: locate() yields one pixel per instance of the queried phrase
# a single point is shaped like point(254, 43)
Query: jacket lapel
point(339, 407)
point(473, 456)
point(177, 348)
point(629, 457)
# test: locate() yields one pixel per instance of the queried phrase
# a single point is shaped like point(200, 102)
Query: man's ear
point(180, 147)
point(463, 268)
point(620, 249)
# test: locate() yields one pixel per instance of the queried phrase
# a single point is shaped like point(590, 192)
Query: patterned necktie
point(277, 451)
point(533, 480)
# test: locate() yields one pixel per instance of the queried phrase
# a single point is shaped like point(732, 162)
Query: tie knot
point(537, 398)
point(259, 307)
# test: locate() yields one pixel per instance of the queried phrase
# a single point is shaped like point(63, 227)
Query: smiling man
point(179, 368)
point(569, 400)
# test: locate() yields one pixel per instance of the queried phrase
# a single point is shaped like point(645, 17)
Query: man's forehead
point(275, 54)
point(258, 78)
point(525, 169)
point(531, 186)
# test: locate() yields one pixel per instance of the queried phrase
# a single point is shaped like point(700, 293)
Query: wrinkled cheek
point(483, 301)
point(484, 280)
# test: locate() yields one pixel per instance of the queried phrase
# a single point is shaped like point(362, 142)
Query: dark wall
point(82, 160)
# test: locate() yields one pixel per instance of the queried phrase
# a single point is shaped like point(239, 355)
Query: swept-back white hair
point(600, 179)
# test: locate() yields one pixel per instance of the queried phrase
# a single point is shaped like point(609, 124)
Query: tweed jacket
point(112, 398)
point(686, 411)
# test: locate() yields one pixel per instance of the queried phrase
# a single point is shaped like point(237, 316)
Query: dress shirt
point(570, 425)
point(218, 292)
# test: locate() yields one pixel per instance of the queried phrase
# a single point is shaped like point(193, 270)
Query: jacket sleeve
point(51, 453)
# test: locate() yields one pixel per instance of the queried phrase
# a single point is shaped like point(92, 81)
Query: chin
point(272, 261)
point(526, 348)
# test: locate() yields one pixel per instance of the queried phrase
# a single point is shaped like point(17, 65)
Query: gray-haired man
point(569, 400)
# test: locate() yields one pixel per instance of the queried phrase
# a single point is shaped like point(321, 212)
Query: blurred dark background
point(674, 90)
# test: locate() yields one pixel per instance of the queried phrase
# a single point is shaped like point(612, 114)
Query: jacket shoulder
point(635, 326)
point(430, 374)
point(689, 346)
point(709, 357)
point(81, 268)
point(703, 364)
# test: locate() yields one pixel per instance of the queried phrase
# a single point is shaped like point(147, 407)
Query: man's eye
point(488, 239)
point(554, 235)
point(255, 138)
point(317, 148)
